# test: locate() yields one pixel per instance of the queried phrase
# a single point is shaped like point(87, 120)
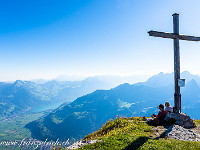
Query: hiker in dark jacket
point(158, 119)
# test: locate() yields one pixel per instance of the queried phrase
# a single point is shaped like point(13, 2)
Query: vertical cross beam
point(177, 94)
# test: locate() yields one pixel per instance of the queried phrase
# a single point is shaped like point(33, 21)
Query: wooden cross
point(175, 36)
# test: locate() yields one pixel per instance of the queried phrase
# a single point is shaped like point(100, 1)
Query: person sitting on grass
point(168, 108)
point(157, 119)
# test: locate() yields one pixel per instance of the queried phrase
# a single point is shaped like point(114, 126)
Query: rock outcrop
point(180, 119)
point(78, 144)
point(179, 133)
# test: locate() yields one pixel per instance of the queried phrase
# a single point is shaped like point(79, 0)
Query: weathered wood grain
point(173, 36)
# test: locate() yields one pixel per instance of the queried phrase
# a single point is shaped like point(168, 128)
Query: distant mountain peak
point(161, 73)
point(186, 73)
point(19, 83)
point(192, 84)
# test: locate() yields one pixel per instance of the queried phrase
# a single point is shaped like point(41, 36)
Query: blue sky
point(47, 38)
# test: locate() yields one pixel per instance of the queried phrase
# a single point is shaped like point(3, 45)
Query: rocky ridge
point(78, 144)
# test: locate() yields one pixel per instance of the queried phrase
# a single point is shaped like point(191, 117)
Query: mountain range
point(88, 113)
point(21, 96)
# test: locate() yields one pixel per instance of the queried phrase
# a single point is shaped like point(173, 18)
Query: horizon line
point(83, 77)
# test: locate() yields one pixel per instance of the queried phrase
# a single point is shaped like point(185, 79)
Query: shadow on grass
point(137, 143)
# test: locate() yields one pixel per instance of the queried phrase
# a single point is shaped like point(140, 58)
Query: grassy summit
point(133, 133)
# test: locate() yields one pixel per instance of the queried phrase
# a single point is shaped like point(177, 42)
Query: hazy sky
point(46, 38)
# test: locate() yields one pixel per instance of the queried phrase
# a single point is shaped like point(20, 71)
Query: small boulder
point(181, 119)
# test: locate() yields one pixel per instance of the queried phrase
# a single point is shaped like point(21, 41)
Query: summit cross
point(176, 37)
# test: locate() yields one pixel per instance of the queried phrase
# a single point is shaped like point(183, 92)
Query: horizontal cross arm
point(162, 34)
point(189, 38)
point(173, 36)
